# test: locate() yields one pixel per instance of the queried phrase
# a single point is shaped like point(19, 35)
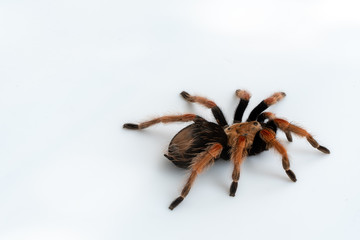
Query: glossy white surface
point(72, 72)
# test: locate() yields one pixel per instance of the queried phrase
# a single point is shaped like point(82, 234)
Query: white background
point(73, 71)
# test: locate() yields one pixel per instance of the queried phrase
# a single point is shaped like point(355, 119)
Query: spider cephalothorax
point(200, 144)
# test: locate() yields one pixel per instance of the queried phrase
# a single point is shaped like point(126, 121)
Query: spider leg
point(200, 162)
point(289, 128)
point(269, 137)
point(244, 101)
point(237, 156)
point(263, 105)
point(218, 114)
point(164, 119)
point(267, 115)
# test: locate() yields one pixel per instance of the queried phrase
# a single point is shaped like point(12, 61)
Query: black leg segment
point(240, 110)
point(219, 116)
point(256, 111)
point(263, 105)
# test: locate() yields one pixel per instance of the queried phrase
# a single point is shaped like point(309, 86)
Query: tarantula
point(200, 144)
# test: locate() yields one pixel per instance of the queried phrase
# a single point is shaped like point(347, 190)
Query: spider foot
point(323, 149)
point(291, 175)
point(176, 202)
point(185, 95)
point(233, 188)
point(131, 126)
point(242, 94)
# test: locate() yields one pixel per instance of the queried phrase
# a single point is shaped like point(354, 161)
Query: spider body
point(201, 143)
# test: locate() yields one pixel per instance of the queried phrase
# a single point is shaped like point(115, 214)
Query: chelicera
point(198, 145)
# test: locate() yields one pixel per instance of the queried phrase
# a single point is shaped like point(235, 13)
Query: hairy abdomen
point(193, 140)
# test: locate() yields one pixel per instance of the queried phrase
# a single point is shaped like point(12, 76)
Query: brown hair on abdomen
point(192, 140)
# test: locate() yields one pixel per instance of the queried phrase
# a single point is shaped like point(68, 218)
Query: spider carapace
point(198, 145)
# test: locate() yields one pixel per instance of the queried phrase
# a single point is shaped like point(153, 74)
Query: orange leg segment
point(219, 116)
point(269, 137)
point(164, 119)
point(237, 157)
point(200, 162)
point(289, 128)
